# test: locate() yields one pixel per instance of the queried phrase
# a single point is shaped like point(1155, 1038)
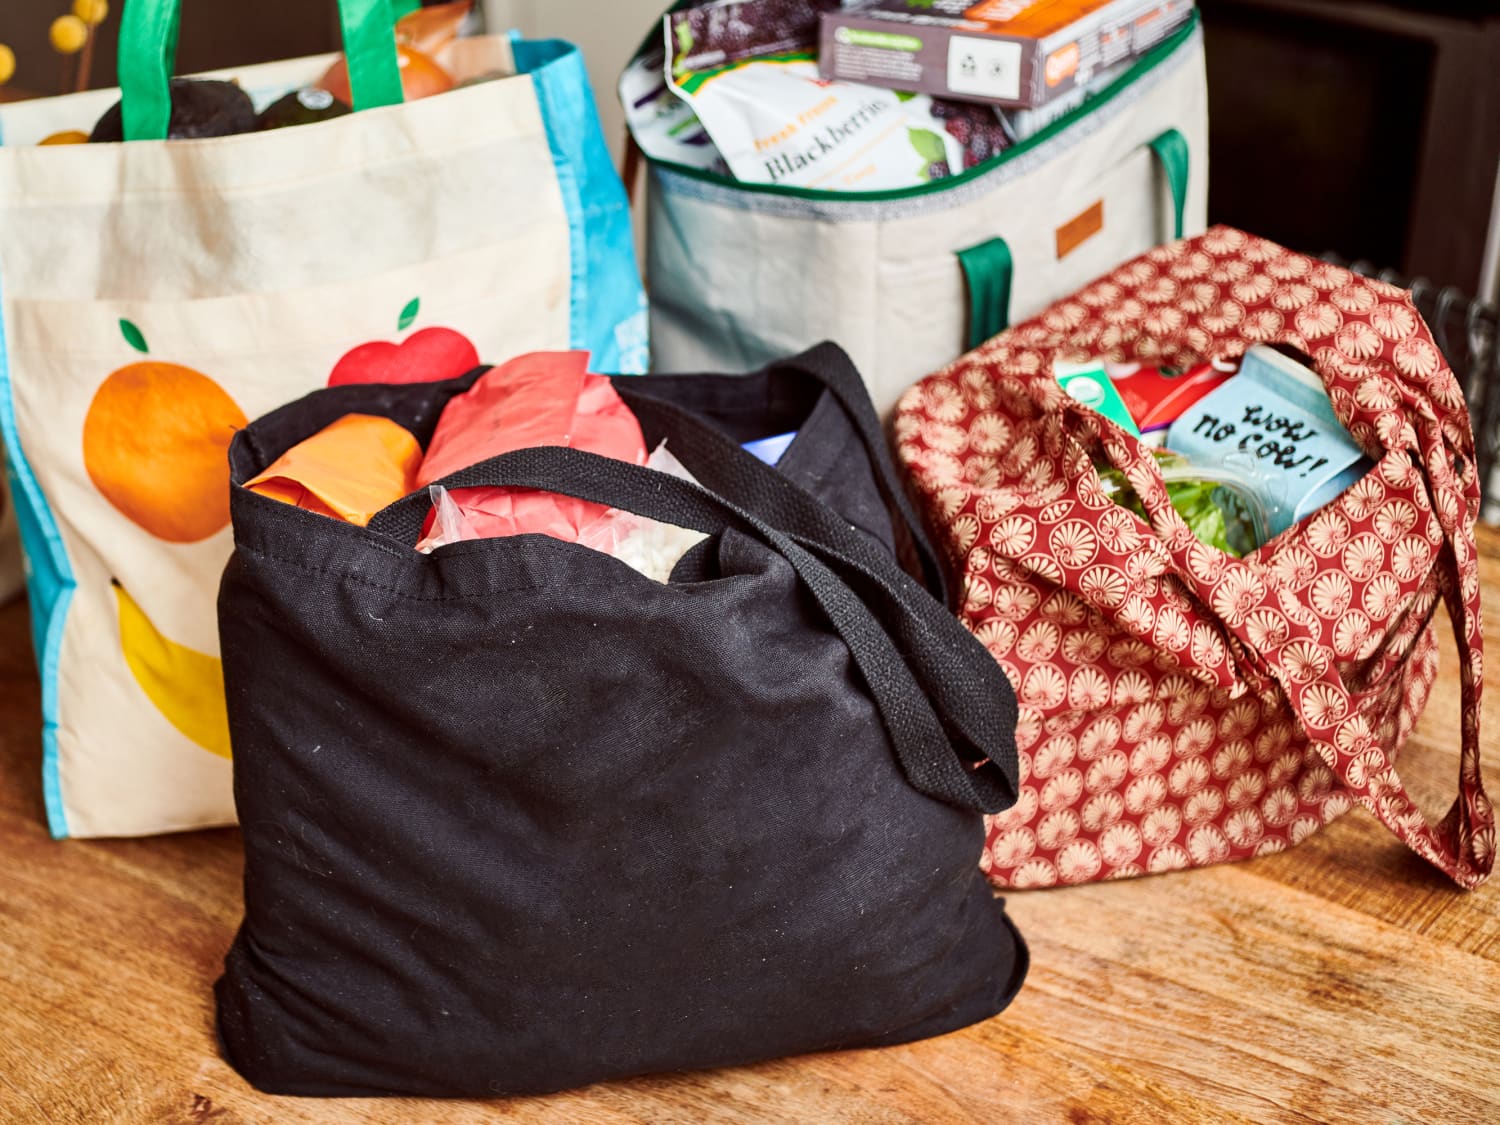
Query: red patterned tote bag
point(1179, 706)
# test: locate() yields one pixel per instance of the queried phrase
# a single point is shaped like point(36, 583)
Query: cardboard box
point(1016, 53)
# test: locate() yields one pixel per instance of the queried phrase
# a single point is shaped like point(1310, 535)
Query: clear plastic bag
point(645, 545)
point(449, 524)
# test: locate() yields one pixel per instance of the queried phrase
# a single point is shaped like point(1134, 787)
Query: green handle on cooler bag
point(1171, 150)
point(148, 54)
point(989, 268)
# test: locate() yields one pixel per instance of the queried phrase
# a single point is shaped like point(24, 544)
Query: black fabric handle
point(831, 366)
point(966, 693)
point(824, 367)
point(977, 770)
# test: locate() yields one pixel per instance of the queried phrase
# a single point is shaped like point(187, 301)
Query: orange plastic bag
point(349, 470)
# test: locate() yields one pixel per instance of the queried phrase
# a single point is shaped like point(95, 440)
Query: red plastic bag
point(546, 398)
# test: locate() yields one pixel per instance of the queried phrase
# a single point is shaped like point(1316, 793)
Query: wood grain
point(1340, 981)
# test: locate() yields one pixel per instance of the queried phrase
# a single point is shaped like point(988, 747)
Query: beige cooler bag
point(154, 295)
point(906, 281)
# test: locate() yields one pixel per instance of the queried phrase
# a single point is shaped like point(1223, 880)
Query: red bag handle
point(1462, 844)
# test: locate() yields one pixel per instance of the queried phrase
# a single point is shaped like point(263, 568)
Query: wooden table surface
point(1341, 981)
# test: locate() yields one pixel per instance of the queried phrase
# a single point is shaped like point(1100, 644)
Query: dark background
point(214, 33)
point(1370, 128)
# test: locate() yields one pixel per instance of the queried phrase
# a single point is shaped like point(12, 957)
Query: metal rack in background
point(1468, 332)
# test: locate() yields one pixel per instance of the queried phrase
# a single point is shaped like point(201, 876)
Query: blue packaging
point(770, 449)
point(1274, 425)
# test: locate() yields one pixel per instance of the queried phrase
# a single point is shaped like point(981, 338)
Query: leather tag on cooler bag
point(1079, 229)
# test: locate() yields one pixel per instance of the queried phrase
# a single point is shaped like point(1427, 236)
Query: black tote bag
point(517, 818)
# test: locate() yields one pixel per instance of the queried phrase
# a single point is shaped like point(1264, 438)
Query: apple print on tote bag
point(154, 295)
point(425, 356)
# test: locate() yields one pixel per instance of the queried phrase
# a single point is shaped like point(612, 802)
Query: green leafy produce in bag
point(1219, 509)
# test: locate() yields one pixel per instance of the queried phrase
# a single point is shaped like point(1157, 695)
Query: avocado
point(201, 107)
point(301, 107)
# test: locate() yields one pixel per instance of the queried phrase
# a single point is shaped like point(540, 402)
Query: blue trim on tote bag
point(607, 308)
point(49, 583)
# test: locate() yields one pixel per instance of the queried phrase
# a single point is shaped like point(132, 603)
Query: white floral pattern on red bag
point(1179, 707)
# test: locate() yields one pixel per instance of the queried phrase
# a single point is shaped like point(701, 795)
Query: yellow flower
point(91, 12)
point(68, 34)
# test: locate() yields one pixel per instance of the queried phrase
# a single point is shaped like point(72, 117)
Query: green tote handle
point(1171, 149)
point(148, 55)
point(989, 269)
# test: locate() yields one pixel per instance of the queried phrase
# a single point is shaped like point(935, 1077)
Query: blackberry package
point(748, 70)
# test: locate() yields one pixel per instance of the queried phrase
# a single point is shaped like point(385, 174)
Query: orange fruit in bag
point(421, 77)
point(419, 36)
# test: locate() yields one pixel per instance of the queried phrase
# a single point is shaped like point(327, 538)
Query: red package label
point(1157, 396)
